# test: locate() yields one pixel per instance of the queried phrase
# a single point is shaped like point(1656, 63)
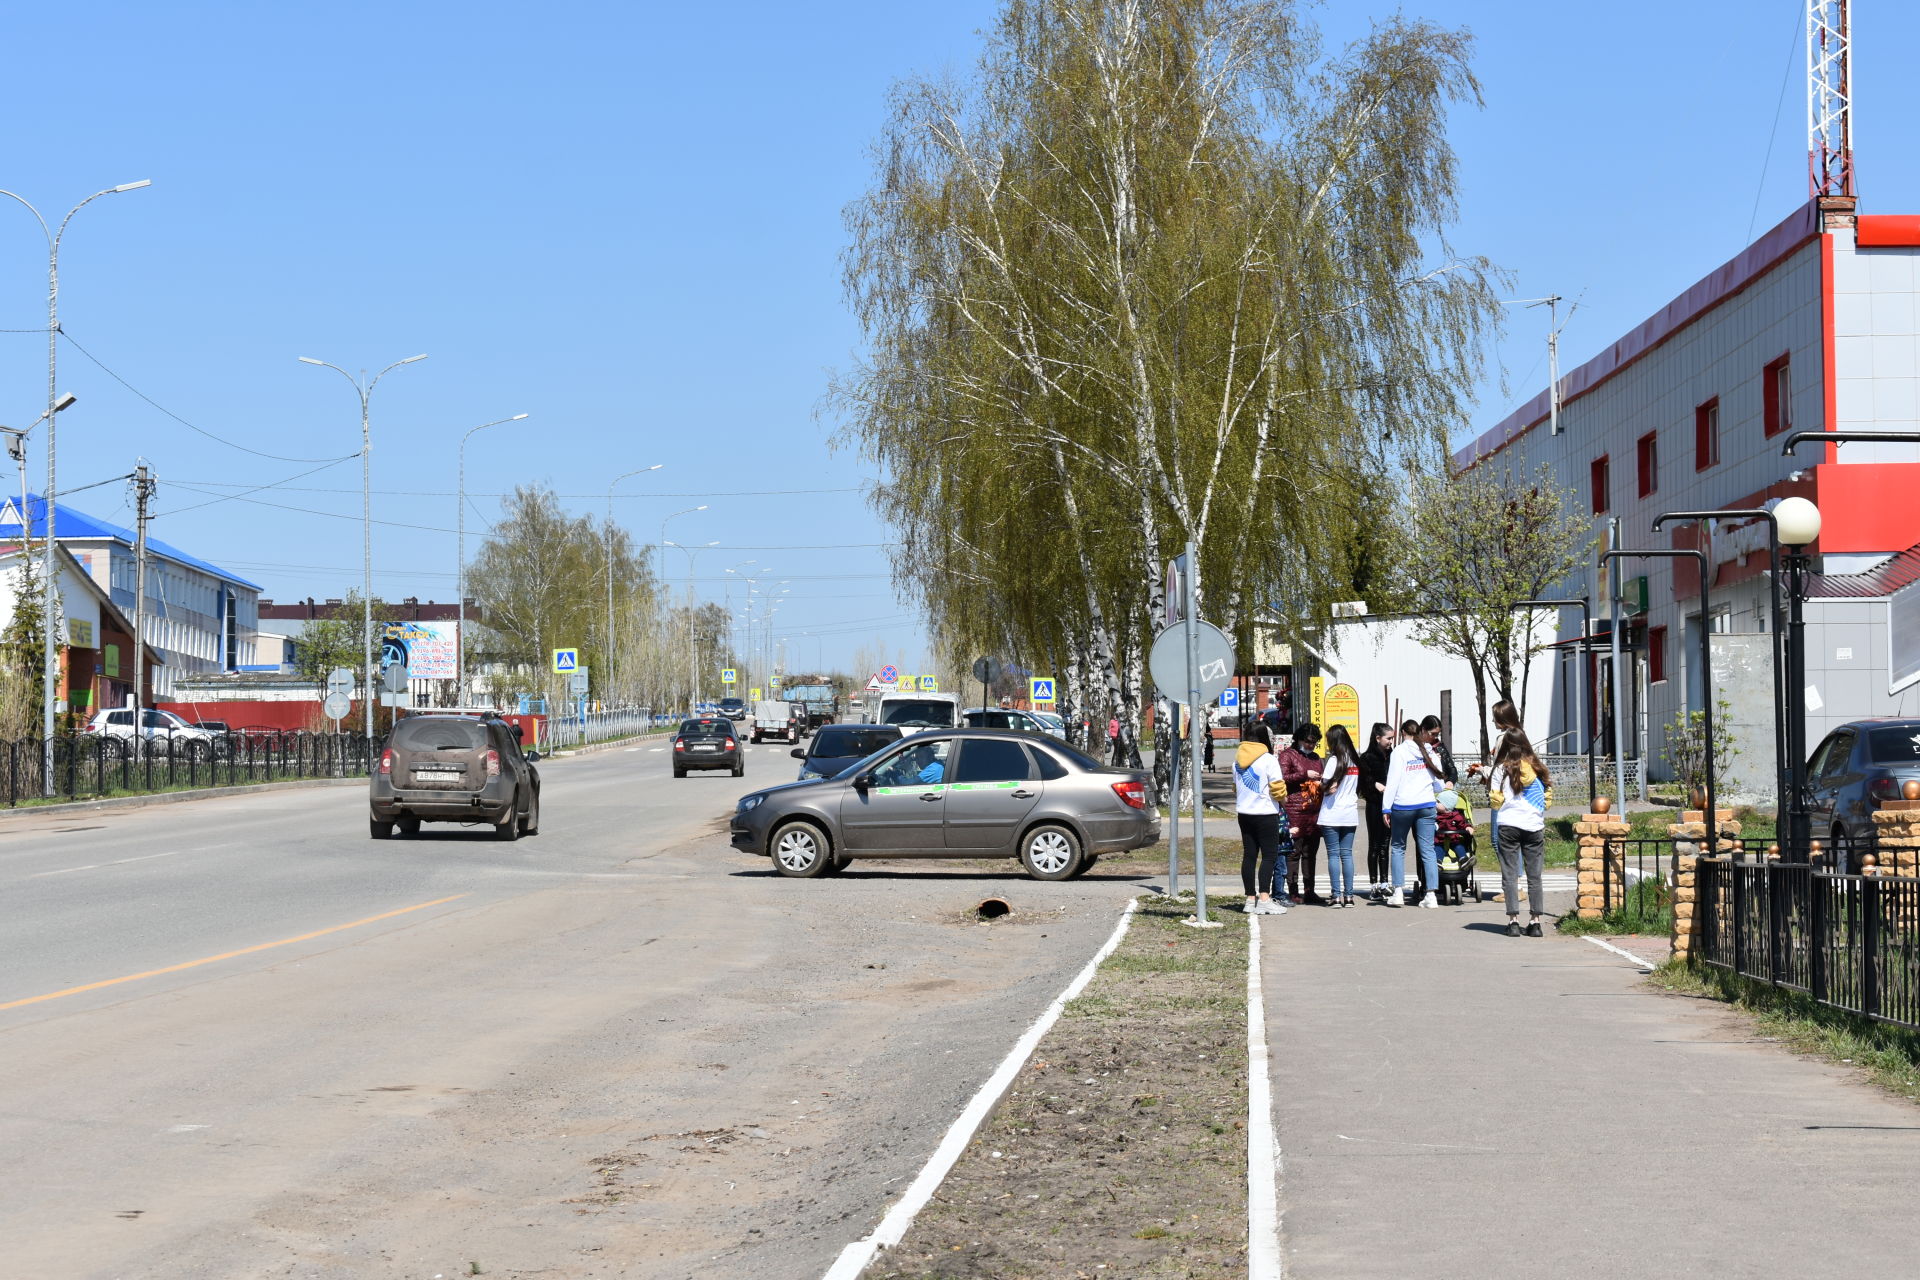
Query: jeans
point(1517, 847)
point(1419, 821)
point(1339, 842)
point(1259, 851)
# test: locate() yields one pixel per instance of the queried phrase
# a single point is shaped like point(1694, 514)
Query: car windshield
point(838, 743)
point(731, 703)
point(1898, 745)
point(918, 713)
point(707, 729)
point(439, 733)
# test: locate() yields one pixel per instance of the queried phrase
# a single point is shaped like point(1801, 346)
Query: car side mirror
point(798, 753)
point(533, 757)
point(862, 781)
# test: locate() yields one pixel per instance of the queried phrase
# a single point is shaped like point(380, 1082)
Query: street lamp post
point(50, 594)
point(692, 698)
point(1586, 684)
point(364, 389)
point(460, 640)
point(1799, 523)
point(607, 537)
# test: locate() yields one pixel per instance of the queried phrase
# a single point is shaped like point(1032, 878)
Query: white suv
point(162, 733)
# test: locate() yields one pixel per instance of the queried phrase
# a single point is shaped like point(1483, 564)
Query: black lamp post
point(1782, 777)
point(1706, 659)
point(1586, 685)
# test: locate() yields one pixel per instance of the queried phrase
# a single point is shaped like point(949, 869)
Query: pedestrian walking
point(1257, 789)
point(1113, 739)
point(1340, 812)
point(1506, 720)
point(1373, 786)
point(1521, 789)
point(1414, 782)
point(1300, 765)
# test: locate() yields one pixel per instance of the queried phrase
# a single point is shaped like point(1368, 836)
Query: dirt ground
point(1121, 1148)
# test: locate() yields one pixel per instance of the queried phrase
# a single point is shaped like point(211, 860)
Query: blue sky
point(624, 220)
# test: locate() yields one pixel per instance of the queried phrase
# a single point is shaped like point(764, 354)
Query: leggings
point(1339, 860)
point(1377, 835)
point(1259, 851)
point(1306, 859)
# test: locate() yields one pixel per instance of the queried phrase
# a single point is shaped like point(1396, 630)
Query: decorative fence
point(599, 726)
point(89, 766)
point(1569, 775)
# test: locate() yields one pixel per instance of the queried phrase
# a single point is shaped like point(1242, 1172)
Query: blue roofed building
point(199, 618)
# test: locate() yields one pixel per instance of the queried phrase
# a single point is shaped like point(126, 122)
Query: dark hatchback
point(454, 768)
point(1854, 770)
point(708, 742)
point(837, 746)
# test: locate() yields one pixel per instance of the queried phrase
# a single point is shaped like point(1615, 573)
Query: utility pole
point(143, 487)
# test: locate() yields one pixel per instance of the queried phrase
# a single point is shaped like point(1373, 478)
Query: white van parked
point(913, 711)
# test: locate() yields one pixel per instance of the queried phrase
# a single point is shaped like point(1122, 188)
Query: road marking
point(95, 866)
point(226, 955)
point(1263, 1149)
point(893, 1228)
point(1644, 964)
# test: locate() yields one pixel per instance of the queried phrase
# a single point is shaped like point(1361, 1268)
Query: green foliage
point(1686, 749)
point(339, 639)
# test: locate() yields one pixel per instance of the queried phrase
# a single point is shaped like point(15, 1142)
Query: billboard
point(430, 650)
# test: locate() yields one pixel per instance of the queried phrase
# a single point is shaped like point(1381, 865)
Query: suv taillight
point(1133, 792)
point(493, 763)
point(386, 761)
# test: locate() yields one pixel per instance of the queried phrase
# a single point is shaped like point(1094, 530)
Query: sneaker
point(1253, 907)
point(1431, 900)
point(1275, 907)
point(1513, 926)
point(1397, 898)
point(1533, 930)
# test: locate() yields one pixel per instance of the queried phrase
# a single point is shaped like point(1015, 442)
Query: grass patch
point(1889, 1055)
point(1648, 909)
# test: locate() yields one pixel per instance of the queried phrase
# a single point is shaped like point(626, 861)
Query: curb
point(176, 797)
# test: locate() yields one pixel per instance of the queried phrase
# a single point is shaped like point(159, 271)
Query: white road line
point(1644, 964)
point(652, 748)
point(893, 1228)
point(1263, 1151)
point(95, 866)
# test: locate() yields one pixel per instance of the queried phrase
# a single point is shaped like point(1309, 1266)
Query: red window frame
point(1656, 655)
point(1646, 453)
point(1599, 482)
point(1706, 434)
point(1777, 409)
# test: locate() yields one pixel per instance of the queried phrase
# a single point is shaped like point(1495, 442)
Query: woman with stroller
point(1414, 782)
point(1340, 812)
point(1300, 766)
point(1257, 784)
point(1520, 790)
point(1373, 785)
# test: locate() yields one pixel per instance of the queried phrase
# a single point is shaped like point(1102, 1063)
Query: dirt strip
point(1121, 1149)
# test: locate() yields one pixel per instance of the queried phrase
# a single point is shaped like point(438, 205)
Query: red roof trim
point(1710, 291)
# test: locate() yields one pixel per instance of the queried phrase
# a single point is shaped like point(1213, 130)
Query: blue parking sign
point(1229, 697)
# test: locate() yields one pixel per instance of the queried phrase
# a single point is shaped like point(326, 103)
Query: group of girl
point(1289, 804)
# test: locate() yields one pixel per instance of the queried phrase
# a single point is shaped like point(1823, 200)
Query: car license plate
point(704, 747)
point(438, 771)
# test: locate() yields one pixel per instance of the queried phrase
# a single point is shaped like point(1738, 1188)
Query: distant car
point(1854, 770)
point(837, 746)
point(161, 733)
point(955, 793)
point(708, 742)
point(1005, 718)
point(454, 768)
point(1054, 724)
point(733, 708)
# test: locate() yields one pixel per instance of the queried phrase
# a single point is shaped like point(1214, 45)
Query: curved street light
point(607, 538)
point(460, 640)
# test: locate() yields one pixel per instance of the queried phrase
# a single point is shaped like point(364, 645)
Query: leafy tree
point(335, 639)
point(1686, 750)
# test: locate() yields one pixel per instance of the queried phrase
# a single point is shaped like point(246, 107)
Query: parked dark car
point(454, 768)
point(733, 708)
point(1853, 770)
point(836, 746)
point(955, 793)
point(707, 742)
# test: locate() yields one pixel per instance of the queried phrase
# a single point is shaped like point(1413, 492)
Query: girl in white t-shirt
point(1340, 812)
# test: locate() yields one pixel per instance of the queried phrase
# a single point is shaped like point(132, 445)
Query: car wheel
point(379, 830)
point(408, 826)
point(679, 772)
point(530, 825)
point(739, 769)
point(1050, 852)
point(1086, 864)
point(800, 850)
point(509, 829)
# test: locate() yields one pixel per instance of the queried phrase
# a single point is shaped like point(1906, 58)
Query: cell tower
point(1830, 99)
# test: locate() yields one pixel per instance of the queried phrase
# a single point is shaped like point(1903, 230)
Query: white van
point(914, 711)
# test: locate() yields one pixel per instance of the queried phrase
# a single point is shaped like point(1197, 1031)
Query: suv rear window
point(1895, 745)
point(832, 740)
point(439, 733)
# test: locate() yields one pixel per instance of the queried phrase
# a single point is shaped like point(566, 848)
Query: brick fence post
point(1897, 825)
point(1687, 835)
point(1591, 833)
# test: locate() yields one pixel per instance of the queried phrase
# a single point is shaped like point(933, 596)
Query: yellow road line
point(227, 955)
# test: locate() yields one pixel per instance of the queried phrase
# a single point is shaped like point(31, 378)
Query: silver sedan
point(955, 793)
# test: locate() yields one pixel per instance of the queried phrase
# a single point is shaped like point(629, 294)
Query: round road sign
point(1174, 674)
point(986, 670)
point(337, 705)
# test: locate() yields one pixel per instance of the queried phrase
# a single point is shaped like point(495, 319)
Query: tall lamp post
point(1586, 683)
point(363, 387)
point(693, 643)
point(51, 664)
point(662, 545)
point(1712, 844)
point(607, 537)
point(460, 640)
point(1799, 524)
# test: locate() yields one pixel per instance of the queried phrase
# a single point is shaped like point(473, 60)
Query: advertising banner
point(429, 650)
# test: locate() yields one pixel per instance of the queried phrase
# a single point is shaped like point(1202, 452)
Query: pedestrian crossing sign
point(1040, 689)
point(729, 676)
point(566, 661)
point(928, 684)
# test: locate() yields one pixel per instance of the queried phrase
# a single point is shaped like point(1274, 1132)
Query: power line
point(257, 488)
point(596, 497)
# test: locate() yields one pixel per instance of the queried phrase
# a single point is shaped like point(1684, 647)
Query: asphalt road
point(238, 1038)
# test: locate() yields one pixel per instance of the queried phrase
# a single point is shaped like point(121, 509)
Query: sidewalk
point(1451, 1102)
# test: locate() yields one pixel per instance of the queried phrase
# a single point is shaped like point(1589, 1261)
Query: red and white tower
point(1830, 103)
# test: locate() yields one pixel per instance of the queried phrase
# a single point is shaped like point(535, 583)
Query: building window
point(1656, 654)
point(1601, 484)
point(1648, 454)
point(1776, 389)
point(1706, 435)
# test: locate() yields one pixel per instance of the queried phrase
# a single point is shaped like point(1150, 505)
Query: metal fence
point(1569, 775)
point(600, 726)
point(1633, 878)
point(1849, 941)
point(89, 766)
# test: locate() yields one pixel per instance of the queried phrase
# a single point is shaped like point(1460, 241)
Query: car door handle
point(929, 796)
point(1023, 794)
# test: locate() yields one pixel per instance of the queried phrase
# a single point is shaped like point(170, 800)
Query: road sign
point(394, 678)
point(889, 674)
point(341, 680)
point(337, 705)
point(566, 661)
point(1040, 689)
point(1176, 591)
point(1229, 698)
point(577, 682)
point(1213, 657)
point(928, 684)
point(986, 670)
point(729, 676)
point(908, 684)
point(753, 695)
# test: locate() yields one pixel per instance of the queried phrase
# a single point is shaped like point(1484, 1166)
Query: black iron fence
point(89, 766)
point(1851, 941)
point(1634, 884)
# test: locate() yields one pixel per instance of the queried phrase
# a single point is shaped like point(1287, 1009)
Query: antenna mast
point(1830, 102)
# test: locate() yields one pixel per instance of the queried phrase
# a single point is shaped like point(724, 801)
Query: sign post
point(1192, 662)
point(986, 671)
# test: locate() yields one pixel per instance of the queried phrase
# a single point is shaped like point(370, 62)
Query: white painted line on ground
point(1263, 1150)
point(893, 1228)
point(120, 862)
point(1644, 964)
point(654, 748)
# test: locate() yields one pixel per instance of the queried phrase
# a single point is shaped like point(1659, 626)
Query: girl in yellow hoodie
point(1258, 790)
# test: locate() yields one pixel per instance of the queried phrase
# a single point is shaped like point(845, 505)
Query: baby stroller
point(1455, 848)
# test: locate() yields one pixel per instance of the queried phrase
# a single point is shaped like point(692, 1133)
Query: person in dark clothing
point(1301, 766)
point(1447, 771)
point(1373, 784)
